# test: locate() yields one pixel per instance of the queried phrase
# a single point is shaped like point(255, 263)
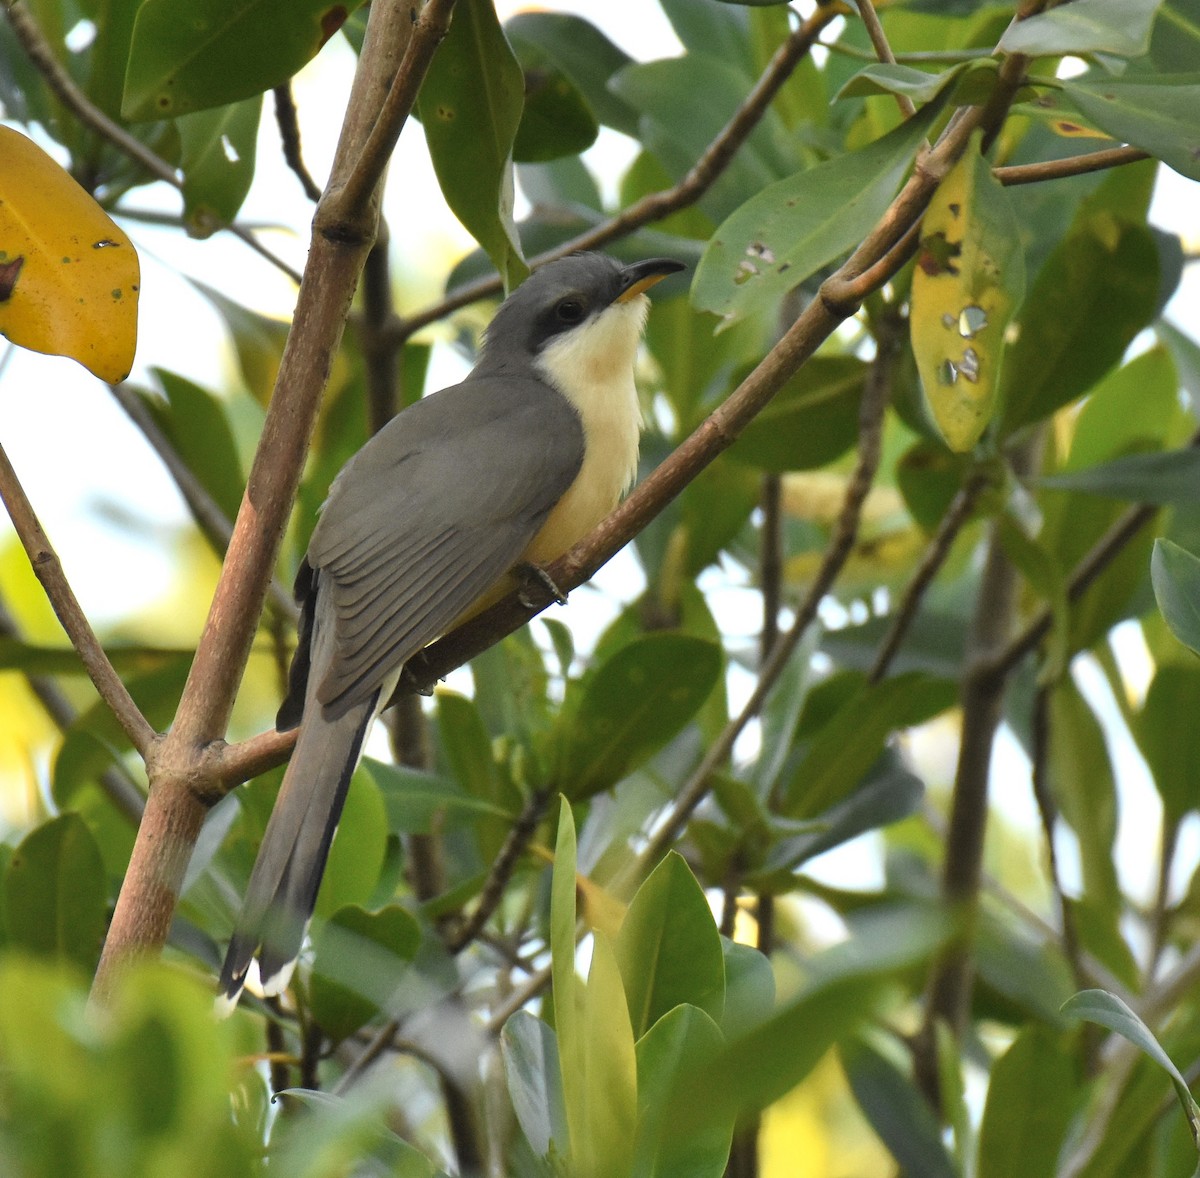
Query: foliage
point(581, 923)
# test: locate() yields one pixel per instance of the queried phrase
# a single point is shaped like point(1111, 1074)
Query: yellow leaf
point(969, 278)
point(68, 276)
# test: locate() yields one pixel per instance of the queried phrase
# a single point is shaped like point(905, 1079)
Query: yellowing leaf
point(68, 276)
point(969, 278)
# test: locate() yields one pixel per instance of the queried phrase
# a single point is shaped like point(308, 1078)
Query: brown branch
point(879, 42)
point(656, 205)
point(289, 139)
point(501, 871)
point(1074, 165)
point(938, 549)
point(185, 771)
point(66, 606)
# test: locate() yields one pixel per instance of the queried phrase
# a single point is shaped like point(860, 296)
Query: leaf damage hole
point(748, 267)
point(967, 368)
point(937, 255)
point(231, 152)
point(106, 243)
point(9, 272)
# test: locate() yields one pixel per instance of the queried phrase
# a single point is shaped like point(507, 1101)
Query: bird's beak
point(642, 276)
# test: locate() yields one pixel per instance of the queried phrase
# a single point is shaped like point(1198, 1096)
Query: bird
point(424, 526)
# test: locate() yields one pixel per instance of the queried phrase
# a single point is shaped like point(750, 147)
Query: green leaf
point(197, 424)
point(790, 229)
point(584, 54)
point(1099, 1006)
point(417, 802)
point(630, 707)
point(566, 987)
point(968, 281)
point(811, 421)
point(1164, 478)
point(848, 744)
point(217, 159)
point(1175, 38)
point(722, 33)
point(220, 51)
point(1176, 577)
point(682, 1041)
point(555, 121)
point(1030, 1100)
point(358, 958)
point(1097, 290)
point(1171, 748)
point(890, 78)
point(1156, 114)
point(897, 1112)
point(684, 103)
point(669, 949)
point(1120, 27)
point(470, 105)
point(610, 1080)
point(530, 1054)
point(55, 893)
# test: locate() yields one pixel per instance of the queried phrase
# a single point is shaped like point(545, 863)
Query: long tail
point(283, 886)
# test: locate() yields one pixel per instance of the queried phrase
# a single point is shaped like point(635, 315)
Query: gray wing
point(433, 511)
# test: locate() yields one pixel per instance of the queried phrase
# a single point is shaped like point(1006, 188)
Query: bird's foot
point(530, 578)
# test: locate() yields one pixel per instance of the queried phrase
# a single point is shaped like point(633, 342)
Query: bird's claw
point(532, 575)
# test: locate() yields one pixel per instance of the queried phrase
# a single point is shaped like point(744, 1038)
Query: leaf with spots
point(470, 106)
point(197, 54)
point(968, 280)
point(623, 712)
point(69, 277)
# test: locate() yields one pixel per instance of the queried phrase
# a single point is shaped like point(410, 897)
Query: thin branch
point(427, 33)
point(879, 42)
point(501, 871)
point(115, 781)
point(62, 597)
point(1074, 165)
point(289, 139)
point(936, 552)
point(655, 206)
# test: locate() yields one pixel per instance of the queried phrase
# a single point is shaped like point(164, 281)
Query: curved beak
point(641, 276)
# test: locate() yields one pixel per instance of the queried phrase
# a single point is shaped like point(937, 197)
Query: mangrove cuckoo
point(512, 466)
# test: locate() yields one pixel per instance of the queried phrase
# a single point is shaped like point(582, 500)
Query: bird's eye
point(569, 311)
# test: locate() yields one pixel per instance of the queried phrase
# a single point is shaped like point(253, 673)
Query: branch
point(185, 771)
point(938, 549)
point(289, 139)
point(49, 572)
point(1074, 165)
point(657, 205)
point(879, 42)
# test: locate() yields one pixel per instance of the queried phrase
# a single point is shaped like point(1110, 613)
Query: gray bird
point(424, 525)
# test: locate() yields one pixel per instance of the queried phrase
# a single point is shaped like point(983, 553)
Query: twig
point(427, 34)
point(379, 347)
point(62, 597)
point(213, 523)
point(121, 790)
point(289, 139)
point(938, 549)
point(501, 871)
point(657, 205)
point(883, 50)
point(1074, 165)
